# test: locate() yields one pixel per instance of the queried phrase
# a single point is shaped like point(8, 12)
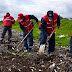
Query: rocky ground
point(13, 61)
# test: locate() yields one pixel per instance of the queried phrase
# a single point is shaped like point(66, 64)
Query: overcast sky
point(36, 7)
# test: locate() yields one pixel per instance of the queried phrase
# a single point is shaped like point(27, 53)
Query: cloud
point(62, 7)
point(36, 7)
point(4, 7)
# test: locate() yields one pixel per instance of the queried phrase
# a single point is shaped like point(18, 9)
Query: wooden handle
point(52, 33)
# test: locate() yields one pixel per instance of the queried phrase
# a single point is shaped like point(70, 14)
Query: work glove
point(48, 37)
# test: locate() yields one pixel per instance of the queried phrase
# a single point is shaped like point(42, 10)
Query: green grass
point(36, 31)
point(1, 22)
point(16, 26)
point(65, 29)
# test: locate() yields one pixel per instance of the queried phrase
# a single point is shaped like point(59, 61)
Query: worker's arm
point(33, 17)
point(43, 27)
point(22, 27)
point(58, 21)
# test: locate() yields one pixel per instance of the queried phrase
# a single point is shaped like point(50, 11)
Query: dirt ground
point(13, 61)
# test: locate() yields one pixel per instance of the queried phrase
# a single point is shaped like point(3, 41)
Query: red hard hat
point(20, 16)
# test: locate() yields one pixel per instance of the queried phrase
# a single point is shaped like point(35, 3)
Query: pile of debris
point(11, 61)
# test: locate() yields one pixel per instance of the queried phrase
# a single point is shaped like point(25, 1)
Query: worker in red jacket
point(7, 24)
point(46, 26)
point(26, 25)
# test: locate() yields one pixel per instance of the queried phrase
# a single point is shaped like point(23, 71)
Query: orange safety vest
point(50, 25)
point(26, 23)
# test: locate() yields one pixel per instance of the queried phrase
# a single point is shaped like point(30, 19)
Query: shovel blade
point(41, 49)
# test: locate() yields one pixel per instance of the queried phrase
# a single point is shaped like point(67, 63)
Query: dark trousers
point(30, 40)
point(7, 28)
point(51, 42)
point(70, 45)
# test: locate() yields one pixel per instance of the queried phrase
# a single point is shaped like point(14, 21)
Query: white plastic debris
point(9, 69)
point(52, 66)
point(61, 46)
point(55, 70)
point(60, 60)
point(60, 36)
point(17, 50)
point(13, 66)
point(25, 50)
point(42, 65)
point(13, 53)
point(40, 70)
point(19, 70)
point(12, 48)
point(42, 61)
point(58, 67)
point(32, 70)
point(32, 67)
point(13, 59)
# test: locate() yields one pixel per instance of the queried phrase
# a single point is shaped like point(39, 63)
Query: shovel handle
point(26, 35)
point(56, 28)
point(42, 47)
point(52, 33)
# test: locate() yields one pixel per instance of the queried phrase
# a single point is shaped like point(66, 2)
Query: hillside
point(64, 31)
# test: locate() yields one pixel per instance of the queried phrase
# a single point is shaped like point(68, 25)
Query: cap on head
point(50, 15)
point(20, 16)
point(8, 13)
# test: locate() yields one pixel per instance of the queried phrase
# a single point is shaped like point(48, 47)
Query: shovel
point(42, 46)
point(26, 36)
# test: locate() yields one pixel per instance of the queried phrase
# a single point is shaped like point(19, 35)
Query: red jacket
point(50, 25)
point(8, 20)
point(26, 23)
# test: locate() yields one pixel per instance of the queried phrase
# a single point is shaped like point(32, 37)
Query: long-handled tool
point(26, 36)
point(42, 47)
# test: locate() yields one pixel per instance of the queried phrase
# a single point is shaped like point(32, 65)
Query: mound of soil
point(13, 61)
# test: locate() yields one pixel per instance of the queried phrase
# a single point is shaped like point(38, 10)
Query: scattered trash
point(52, 66)
point(40, 70)
point(29, 61)
point(42, 65)
point(60, 36)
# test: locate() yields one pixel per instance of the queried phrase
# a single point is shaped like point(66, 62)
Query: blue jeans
point(70, 45)
point(51, 41)
point(30, 40)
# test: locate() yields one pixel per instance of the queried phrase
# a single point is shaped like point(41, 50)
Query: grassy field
point(65, 29)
